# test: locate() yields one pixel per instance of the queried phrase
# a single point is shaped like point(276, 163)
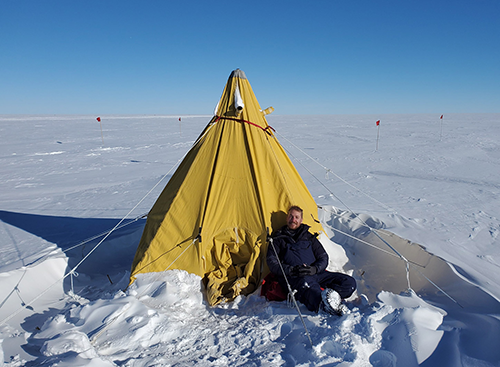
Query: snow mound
point(163, 319)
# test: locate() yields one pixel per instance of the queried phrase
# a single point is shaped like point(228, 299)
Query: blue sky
point(301, 57)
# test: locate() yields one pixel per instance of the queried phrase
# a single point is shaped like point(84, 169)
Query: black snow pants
point(309, 287)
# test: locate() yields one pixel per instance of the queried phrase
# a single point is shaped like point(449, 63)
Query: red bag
point(271, 289)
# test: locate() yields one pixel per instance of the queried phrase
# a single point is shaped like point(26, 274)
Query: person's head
point(294, 217)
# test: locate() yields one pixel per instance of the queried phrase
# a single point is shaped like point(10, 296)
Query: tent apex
point(237, 73)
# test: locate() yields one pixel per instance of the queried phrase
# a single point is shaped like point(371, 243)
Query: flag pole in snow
point(180, 127)
point(100, 123)
point(441, 133)
point(378, 133)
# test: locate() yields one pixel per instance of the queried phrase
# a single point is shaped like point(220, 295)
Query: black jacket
point(296, 248)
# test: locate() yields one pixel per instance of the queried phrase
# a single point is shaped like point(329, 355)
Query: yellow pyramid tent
point(235, 183)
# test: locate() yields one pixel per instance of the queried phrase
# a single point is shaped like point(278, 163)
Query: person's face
point(294, 219)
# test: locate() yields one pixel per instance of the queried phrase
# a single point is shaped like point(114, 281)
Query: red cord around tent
point(266, 129)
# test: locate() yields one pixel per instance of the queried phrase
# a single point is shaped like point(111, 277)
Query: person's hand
point(306, 270)
point(294, 271)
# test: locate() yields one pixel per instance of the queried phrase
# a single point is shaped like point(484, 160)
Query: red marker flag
point(378, 132)
point(179, 119)
point(441, 132)
point(100, 124)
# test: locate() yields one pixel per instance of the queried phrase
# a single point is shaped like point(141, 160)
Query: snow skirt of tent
point(237, 265)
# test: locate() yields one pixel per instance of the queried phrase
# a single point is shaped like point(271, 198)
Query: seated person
point(304, 262)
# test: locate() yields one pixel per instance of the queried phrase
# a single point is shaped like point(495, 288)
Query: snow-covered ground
point(434, 182)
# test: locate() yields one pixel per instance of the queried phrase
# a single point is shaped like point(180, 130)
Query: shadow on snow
point(113, 256)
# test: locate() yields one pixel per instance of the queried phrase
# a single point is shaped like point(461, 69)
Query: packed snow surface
point(432, 181)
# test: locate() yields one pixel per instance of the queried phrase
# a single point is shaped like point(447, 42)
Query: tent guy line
point(72, 271)
point(106, 234)
point(357, 216)
point(366, 242)
point(373, 230)
point(87, 240)
point(200, 138)
point(328, 170)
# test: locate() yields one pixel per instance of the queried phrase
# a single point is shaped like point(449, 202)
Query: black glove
point(306, 270)
point(294, 271)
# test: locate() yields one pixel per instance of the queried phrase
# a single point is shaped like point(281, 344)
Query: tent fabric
point(234, 185)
